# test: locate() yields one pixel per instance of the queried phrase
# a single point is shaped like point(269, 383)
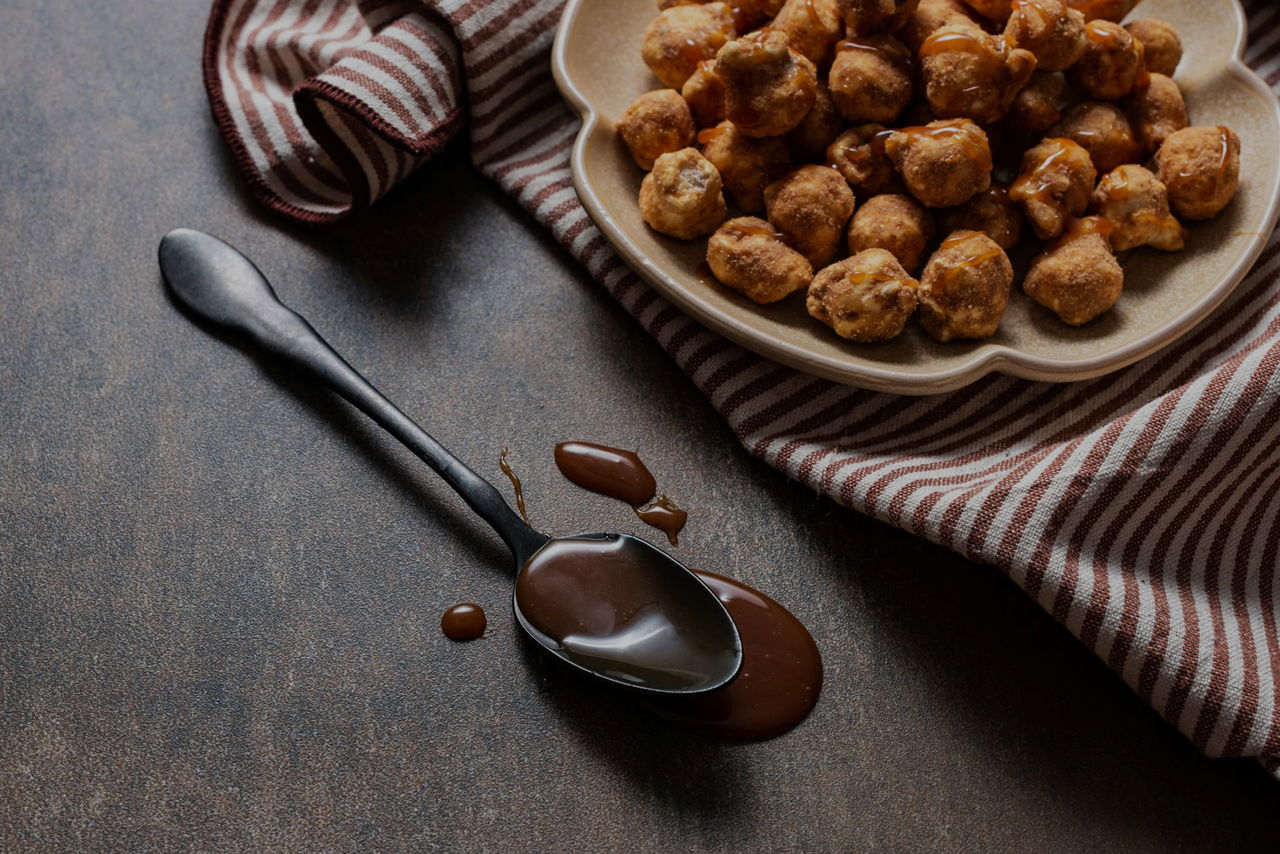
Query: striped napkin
point(1140, 509)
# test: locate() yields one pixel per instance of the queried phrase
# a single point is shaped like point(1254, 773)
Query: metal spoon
point(680, 640)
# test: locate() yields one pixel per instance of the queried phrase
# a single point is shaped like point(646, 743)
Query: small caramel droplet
point(464, 621)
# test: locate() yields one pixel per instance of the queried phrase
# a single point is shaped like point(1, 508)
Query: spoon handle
point(219, 284)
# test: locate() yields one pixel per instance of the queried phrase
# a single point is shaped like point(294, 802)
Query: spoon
point(611, 606)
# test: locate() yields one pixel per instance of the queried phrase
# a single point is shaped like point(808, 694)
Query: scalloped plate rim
point(993, 358)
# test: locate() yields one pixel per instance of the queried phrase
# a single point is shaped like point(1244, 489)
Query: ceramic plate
point(598, 67)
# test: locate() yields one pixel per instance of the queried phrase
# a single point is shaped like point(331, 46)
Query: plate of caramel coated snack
point(907, 196)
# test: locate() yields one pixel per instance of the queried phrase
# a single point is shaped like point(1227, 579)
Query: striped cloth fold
point(1139, 509)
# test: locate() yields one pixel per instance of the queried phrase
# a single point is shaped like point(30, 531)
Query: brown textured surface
point(221, 590)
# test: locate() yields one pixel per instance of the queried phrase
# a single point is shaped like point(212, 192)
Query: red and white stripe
point(329, 104)
point(1141, 509)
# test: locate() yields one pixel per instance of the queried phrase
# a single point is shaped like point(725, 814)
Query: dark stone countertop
point(220, 589)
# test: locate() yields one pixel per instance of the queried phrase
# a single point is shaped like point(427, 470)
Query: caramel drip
point(1034, 24)
point(856, 44)
point(663, 514)
point(692, 52)
point(738, 229)
point(862, 277)
point(887, 48)
point(1224, 161)
point(1117, 186)
point(876, 144)
point(1179, 182)
point(1081, 227)
point(1034, 6)
point(971, 139)
point(1037, 184)
point(954, 240)
point(964, 41)
point(1107, 35)
point(708, 135)
point(744, 117)
point(859, 155)
point(814, 15)
point(1093, 9)
point(515, 483)
point(972, 259)
point(704, 274)
point(1157, 219)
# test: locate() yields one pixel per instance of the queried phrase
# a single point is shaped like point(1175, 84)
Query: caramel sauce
point(609, 471)
point(1092, 9)
point(1082, 226)
point(971, 139)
point(1224, 158)
point(744, 117)
point(692, 52)
point(961, 41)
point(1031, 26)
point(1117, 186)
point(856, 44)
point(740, 229)
point(596, 596)
point(891, 49)
point(1118, 190)
point(780, 679)
point(515, 483)
point(623, 475)
point(1037, 183)
point(862, 155)
point(1043, 17)
point(814, 15)
point(663, 514)
point(970, 260)
point(705, 275)
point(464, 621)
point(706, 136)
point(1106, 35)
point(1179, 182)
point(1157, 219)
point(861, 277)
point(876, 144)
point(614, 605)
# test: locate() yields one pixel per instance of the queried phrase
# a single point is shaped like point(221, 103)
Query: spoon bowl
point(620, 607)
point(611, 606)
